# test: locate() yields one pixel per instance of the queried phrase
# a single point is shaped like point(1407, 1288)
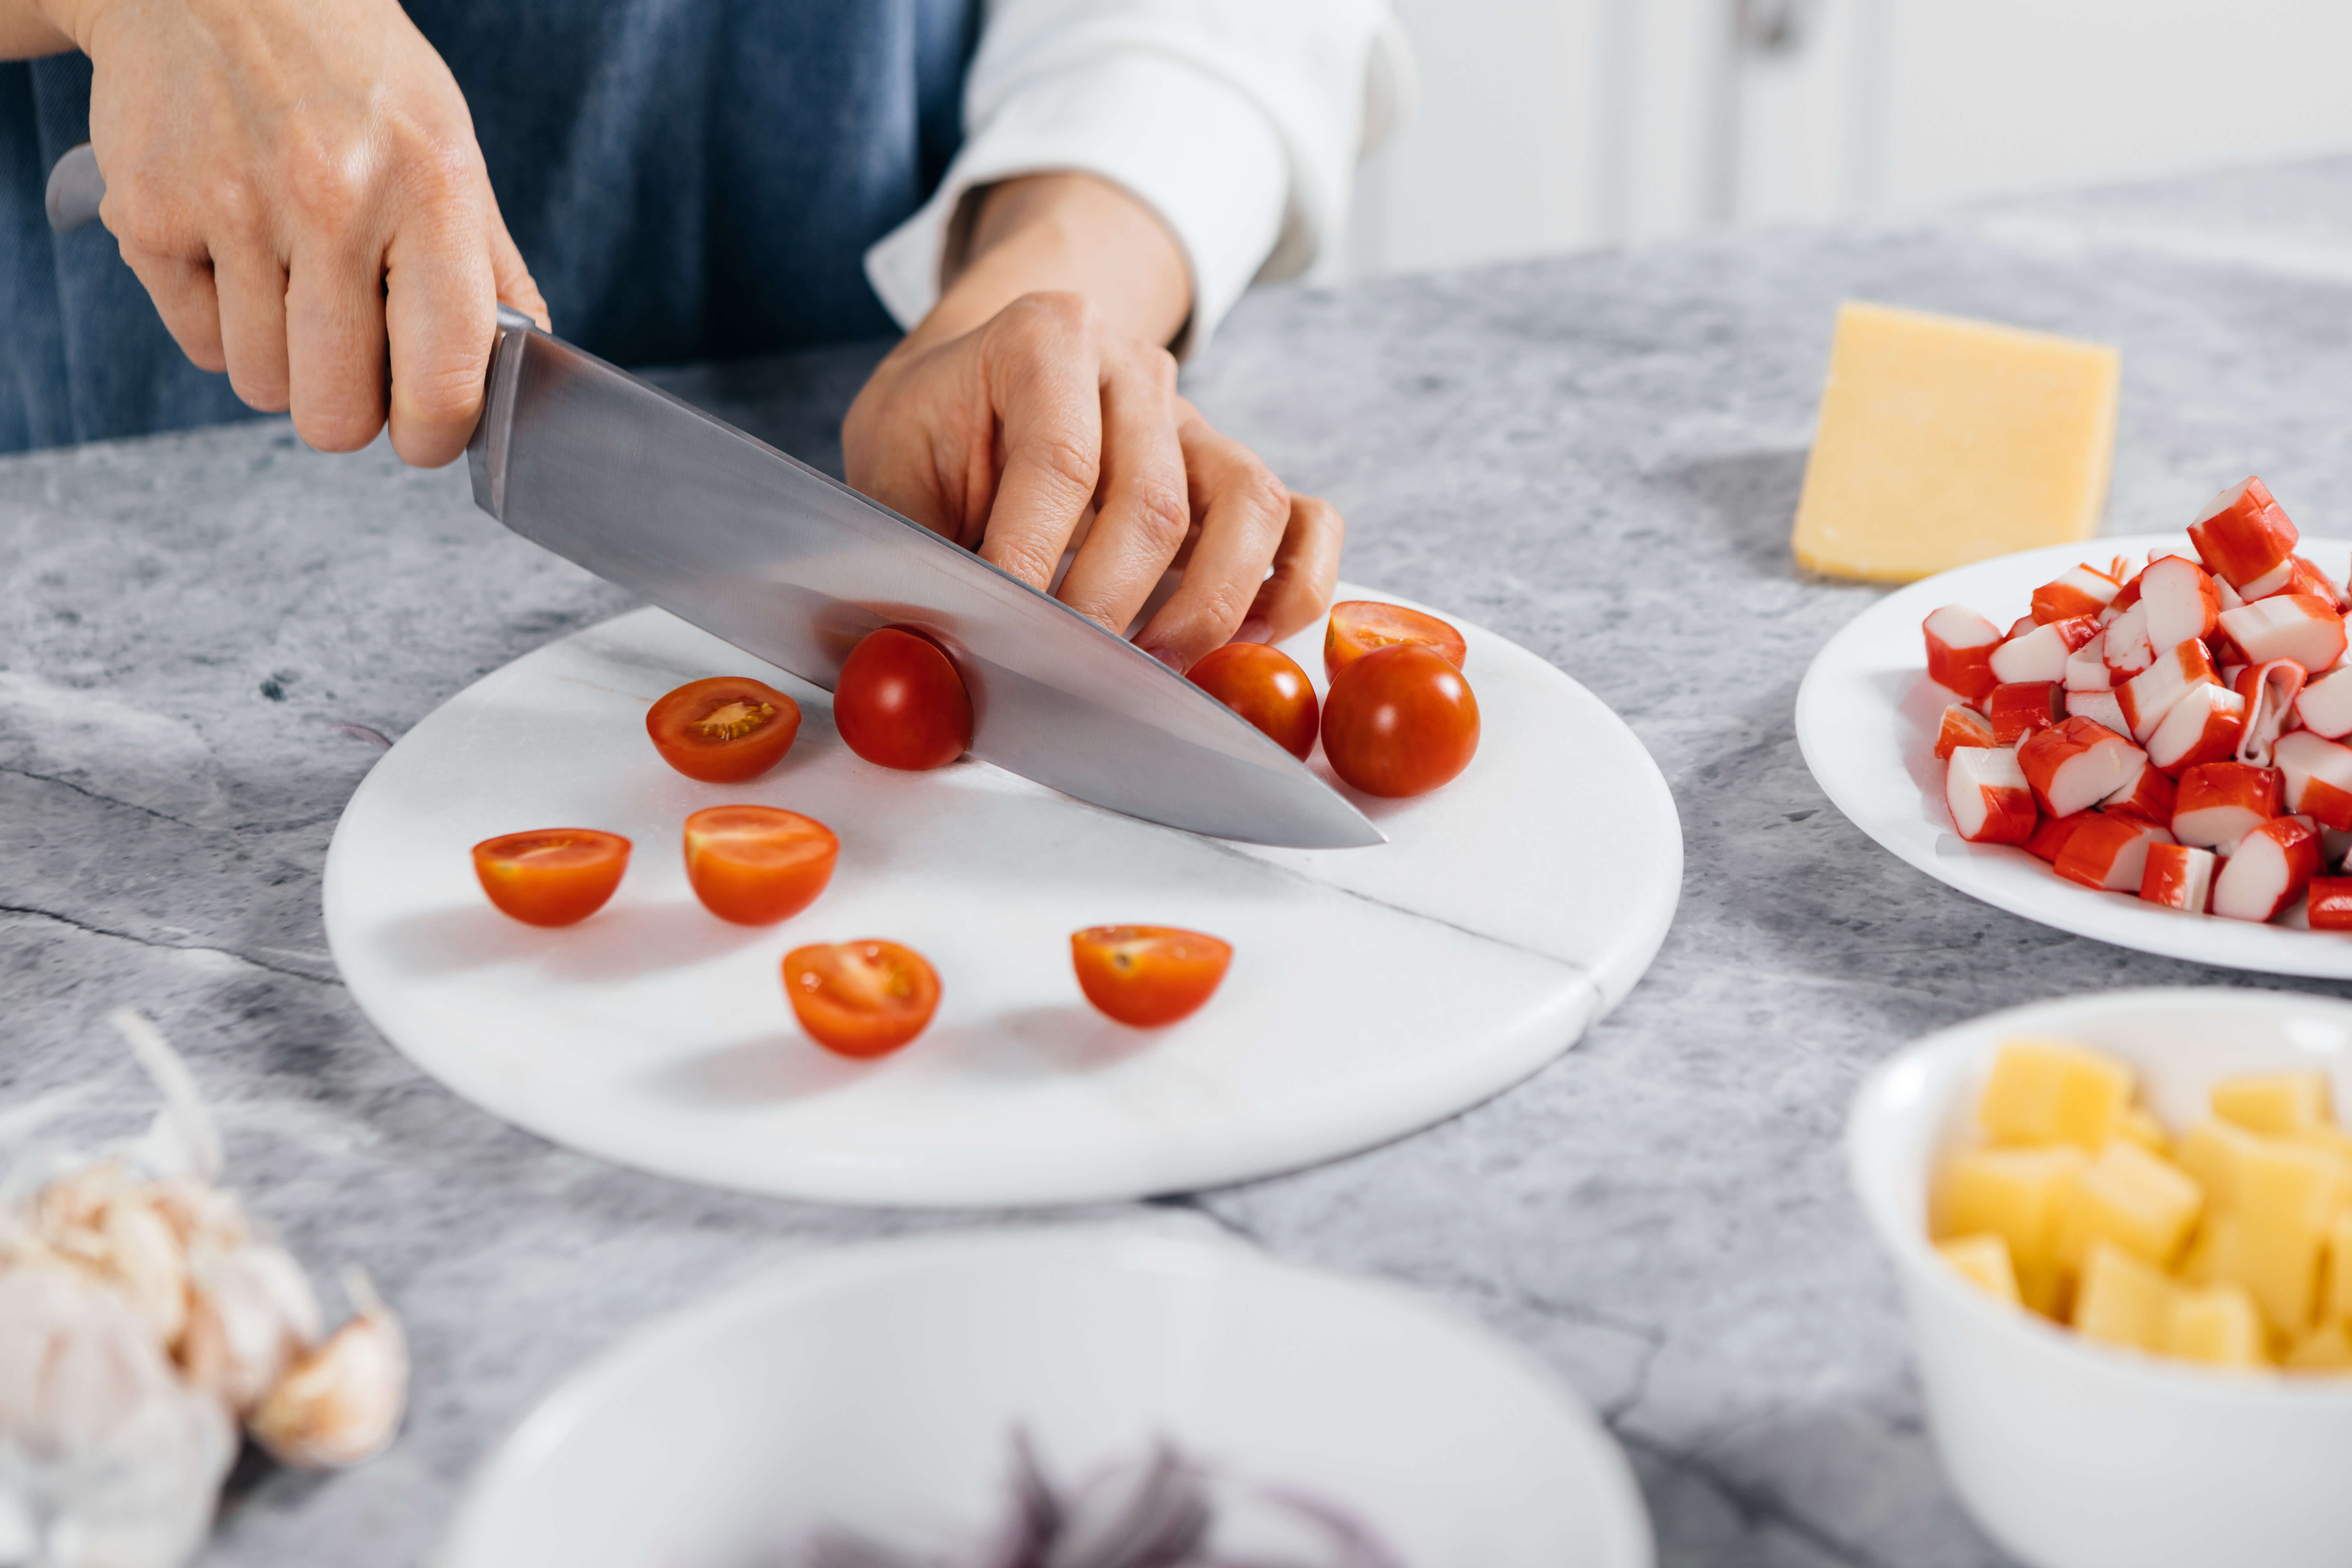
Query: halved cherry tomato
point(554, 877)
point(1399, 720)
point(899, 702)
point(724, 730)
point(863, 998)
point(1264, 686)
point(1359, 626)
point(756, 865)
point(1146, 976)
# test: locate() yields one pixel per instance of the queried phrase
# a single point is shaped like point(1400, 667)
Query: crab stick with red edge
point(2149, 696)
point(2315, 778)
point(2300, 626)
point(2077, 763)
point(2202, 727)
point(1988, 796)
point(2150, 796)
point(2303, 577)
point(2099, 707)
point(2325, 704)
point(2269, 870)
point(2125, 650)
point(2269, 692)
point(2331, 903)
point(2220, 802)
point(2109, 853)
point(2050, 834)
point(2042, 653)
point(2182, 602)
point(1960, 651)
point(2245, 538)
point(1962, 726)
point(2178, 877)
point(2086, 666)
point(2018, 710)
point(2081, 590)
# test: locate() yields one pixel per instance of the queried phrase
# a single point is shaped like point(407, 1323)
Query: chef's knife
point(793, 567)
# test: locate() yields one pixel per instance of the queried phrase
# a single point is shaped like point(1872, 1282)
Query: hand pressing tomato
point(756, 865)
point(1264, 686)
point(724, 730)
point(1399, 720)
point(899, 702)
point(1146, 976)
point(863, 998)
point(554, 877)
point(1358, 627)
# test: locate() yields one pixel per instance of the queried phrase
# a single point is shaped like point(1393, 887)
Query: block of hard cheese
point(1944, 441)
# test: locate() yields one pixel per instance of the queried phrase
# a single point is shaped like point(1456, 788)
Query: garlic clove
point(339, 1403)
point(250, 1313)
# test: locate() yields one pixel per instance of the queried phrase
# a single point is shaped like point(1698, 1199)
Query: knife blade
point(795, 567)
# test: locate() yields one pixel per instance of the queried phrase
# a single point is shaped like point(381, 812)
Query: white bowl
point(2070, 1454)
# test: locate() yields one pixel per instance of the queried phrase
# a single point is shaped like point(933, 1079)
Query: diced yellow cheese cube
point(2122, 1300)
point(2213, 1152)
point(2325, 1348)
point(2335, 1301)
point(1944, 441)
point(2128, 1197)
point(2146, 1130)
point(1983, 1261)
point(2287, 1186)
point(2277, 1103)
point(2337, 1143)
point(2219, 1325)
point(2044, 1092)
point(2020, 1195)
point(2279, 1269)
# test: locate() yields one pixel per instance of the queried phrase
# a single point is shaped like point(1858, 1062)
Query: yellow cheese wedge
point(1983, 1261)
point(2277, 1103)
point(2046, 1091)
point(1944, 441)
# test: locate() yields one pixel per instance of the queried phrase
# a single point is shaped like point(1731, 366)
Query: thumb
point(514, 280)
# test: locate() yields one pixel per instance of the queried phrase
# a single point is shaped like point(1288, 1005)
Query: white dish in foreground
point(1372, 991)
point(875, 1388)
point(2071, 1453)
point(1866, 720)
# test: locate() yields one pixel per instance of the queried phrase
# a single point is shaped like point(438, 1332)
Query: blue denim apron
point(687, 179)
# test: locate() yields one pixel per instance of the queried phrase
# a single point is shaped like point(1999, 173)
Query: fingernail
point(1253, 629)
point(1168, 656)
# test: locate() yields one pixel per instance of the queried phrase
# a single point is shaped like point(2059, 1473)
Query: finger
point(514, 284)
point(335, 347)
point(1306, 573)
point(252, 288)
point(1044, 380)
point(184, 297)
point(1244, 512)
point(440, 319)
point(1144, 512)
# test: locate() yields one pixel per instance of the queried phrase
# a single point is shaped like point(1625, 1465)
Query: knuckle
point(1065, 460)
point(1163, 513)
point(144, 221)
point(328, 190)
point(1266, 497)
point(238, 209)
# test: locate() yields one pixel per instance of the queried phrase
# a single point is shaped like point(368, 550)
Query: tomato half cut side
point(724, 730)
point(552, 877)
point(1359, 627)
point(1148, 976)
point(1264, 686)
point(1400, 721)
point(901, 703)
point(863, 998)
point(756, 865)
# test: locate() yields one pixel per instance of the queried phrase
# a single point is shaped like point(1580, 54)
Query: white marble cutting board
point(1372, 991)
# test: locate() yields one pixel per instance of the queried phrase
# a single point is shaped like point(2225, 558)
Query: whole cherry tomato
point(756, 865)
point(554, 877)
point(724, 730)
point(1146, 976)
point(1359, 626)
point(899, 702)
point(1399, 720)
point(1264, 686)
point(863, 998)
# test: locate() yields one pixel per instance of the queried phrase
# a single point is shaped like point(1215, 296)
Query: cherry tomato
point(756, 865)
point(1146, 976)
point(554, 877)
point(724, 730)
point(1359, 626)
point(899, 702)
point(1266, 687)
point(1399, 720)
point(863, 998)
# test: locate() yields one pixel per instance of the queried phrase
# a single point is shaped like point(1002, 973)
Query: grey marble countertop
point(205, 638)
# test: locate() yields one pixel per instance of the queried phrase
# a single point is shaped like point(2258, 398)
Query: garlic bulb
point(339, 1403)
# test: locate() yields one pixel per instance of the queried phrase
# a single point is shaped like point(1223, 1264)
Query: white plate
point(1866, 718)
point(875, 1388)
point(1372, 991)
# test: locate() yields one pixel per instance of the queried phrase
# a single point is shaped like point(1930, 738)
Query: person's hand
point(296, 184)
point(1018, 429)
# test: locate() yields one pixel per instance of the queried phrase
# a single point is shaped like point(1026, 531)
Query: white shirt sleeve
point(1238, 121)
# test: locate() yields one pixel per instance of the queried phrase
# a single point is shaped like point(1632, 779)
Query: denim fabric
point(687, 179)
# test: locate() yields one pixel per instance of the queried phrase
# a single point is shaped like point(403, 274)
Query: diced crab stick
point(2315, 778)
point(2018, 710)
point(2299, 627)
point(2178, 877)
point(2270, 691)
point(2230, 597)
point(2149, 696)
point(2050, 834)
point(2042, 652)
point(2303, 577)
point(2245, 538)
point(2126, 649)
point(2077, 763)
point(2086, 666)
point(2150, 796)
point(2183, 604)
point(1990, 800)
point(1962, 726)
point(1960, 651)
point(2325, 704)
point(2270, 870)
point(2109, 853)
point(2330, 905)
point(2219, 804)
point(2203, 727)
point(2081, 590)
point(2100, 707)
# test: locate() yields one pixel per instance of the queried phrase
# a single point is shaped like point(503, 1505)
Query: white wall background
point(1552, 124)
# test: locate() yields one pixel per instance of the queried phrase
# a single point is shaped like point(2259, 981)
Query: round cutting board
point(1372, 991)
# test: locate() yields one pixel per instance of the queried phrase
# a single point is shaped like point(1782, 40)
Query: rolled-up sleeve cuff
point(1190, 146)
